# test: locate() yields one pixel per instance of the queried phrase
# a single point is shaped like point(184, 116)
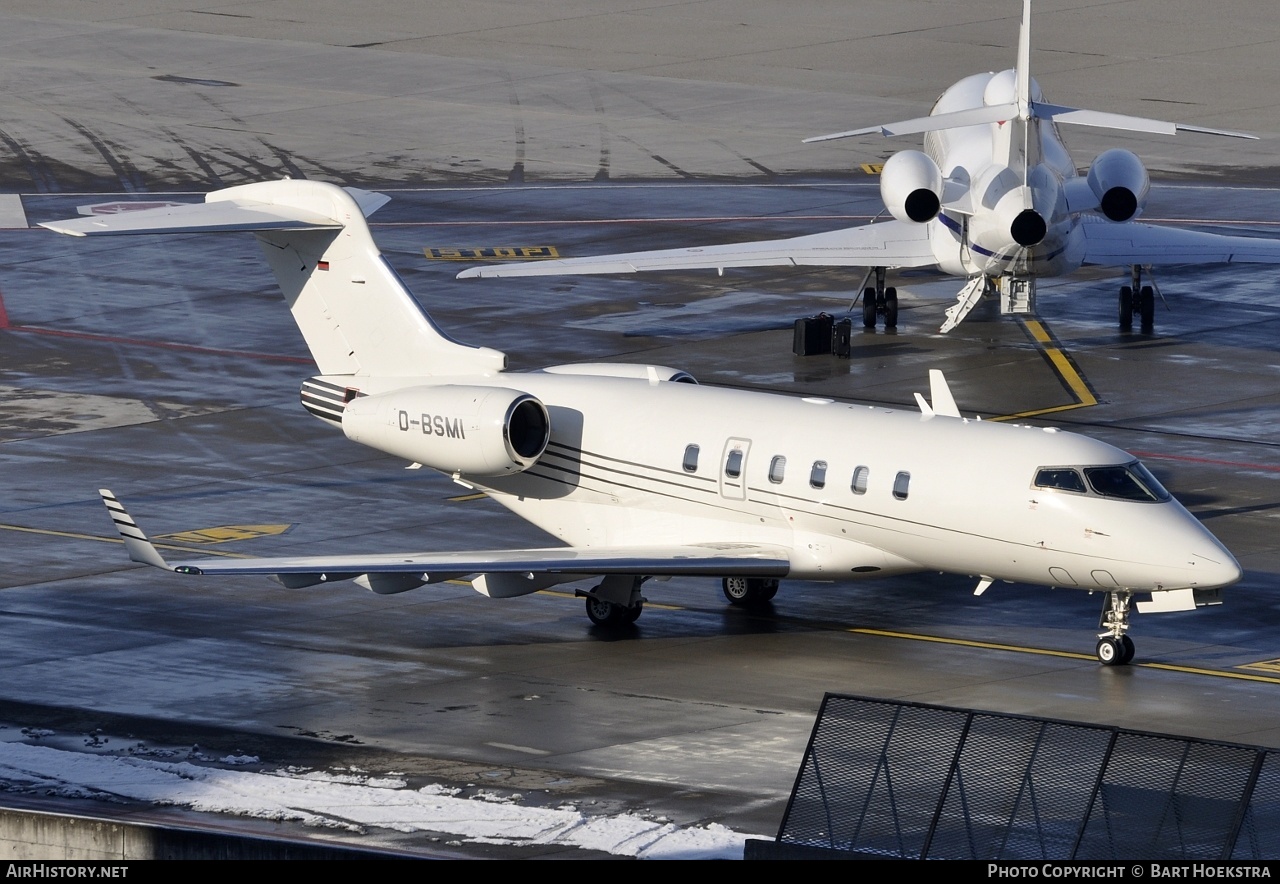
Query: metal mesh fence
point(917, 781)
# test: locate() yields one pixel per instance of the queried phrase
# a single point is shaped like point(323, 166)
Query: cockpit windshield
point(1131, 481)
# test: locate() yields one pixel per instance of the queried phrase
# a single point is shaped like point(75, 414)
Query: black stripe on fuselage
point(603, 473)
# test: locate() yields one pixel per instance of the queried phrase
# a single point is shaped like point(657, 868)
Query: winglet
point(139, 547)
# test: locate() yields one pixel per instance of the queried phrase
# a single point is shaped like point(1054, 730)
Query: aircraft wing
point(1132, 243)
point(887, 244)
point(717, 559)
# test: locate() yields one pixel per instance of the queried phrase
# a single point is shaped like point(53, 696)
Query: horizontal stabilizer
point(933, 123)
point(1122, 122)
point(1119, 245)
point(888, 244)
point(1038, 110)
point(227, 214)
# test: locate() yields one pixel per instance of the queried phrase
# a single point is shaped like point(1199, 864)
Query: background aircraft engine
point(911, 186)
point(1120, 182)
point(477, 431)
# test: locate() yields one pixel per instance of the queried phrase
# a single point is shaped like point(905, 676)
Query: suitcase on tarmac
point(813, 335)
point(842, 338)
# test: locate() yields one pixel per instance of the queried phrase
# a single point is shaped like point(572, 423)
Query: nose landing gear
point(1114, 647)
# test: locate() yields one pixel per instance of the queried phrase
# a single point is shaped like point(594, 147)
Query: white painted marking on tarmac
point(528, 750)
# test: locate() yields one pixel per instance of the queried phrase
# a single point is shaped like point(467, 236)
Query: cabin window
point(1130, 482)
point(859, 484)
point(733, 464)
point(1061, 478)
point(777, 468)
point(818, 475)
point(900, 485)
point(691, 459)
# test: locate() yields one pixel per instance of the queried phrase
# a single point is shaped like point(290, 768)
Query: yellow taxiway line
point(78, 536)
point(1062, 366)
point(1070, 655)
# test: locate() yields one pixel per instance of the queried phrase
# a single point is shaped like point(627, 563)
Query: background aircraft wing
point(887, 244)
point(1130, 243)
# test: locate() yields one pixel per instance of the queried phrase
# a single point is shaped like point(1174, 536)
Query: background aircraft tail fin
point(1022, 72)
point(352, 308)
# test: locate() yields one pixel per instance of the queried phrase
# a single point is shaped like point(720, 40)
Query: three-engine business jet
point(644, 473)
point(994, 197)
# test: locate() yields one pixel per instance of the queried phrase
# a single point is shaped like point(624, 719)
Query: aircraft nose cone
point(1029, 228)
point(1221, 570)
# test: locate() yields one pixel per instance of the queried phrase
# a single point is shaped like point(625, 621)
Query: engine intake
point(911, 186)
point(477, 431)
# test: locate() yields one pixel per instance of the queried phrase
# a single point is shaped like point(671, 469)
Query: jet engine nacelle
point(911, 186)
point(1120, 182)
point(476, 431)
point(1010, 223)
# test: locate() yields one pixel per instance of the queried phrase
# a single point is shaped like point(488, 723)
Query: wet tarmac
point(168, 371)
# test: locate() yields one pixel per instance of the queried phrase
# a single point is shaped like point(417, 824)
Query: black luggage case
point(813, 335)
point(842, 338)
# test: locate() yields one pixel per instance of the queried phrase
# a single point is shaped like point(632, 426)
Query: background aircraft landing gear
point(879, 301)
point(749, 591)
point(1114, 647)
point(615, 601)
point(1137, 299)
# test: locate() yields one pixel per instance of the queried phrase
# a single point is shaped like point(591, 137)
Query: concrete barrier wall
point(37, 835)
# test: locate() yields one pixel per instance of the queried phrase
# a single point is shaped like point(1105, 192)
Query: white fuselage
point(617, 473)
point(988, 156)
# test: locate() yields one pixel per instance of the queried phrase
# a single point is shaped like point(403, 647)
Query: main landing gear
point(1138, 300)
point(749, 591)
point(615, 602)
point(1115, 648)
point(879, 301)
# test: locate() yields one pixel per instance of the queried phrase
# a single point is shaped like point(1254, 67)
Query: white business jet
point(643, 473)
point(994, 197)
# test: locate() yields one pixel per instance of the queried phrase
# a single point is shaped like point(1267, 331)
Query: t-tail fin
point(353, 309)
point(1021, 107)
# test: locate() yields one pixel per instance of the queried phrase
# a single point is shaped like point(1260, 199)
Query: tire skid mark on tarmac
point(34, 164)
point(129, 177)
